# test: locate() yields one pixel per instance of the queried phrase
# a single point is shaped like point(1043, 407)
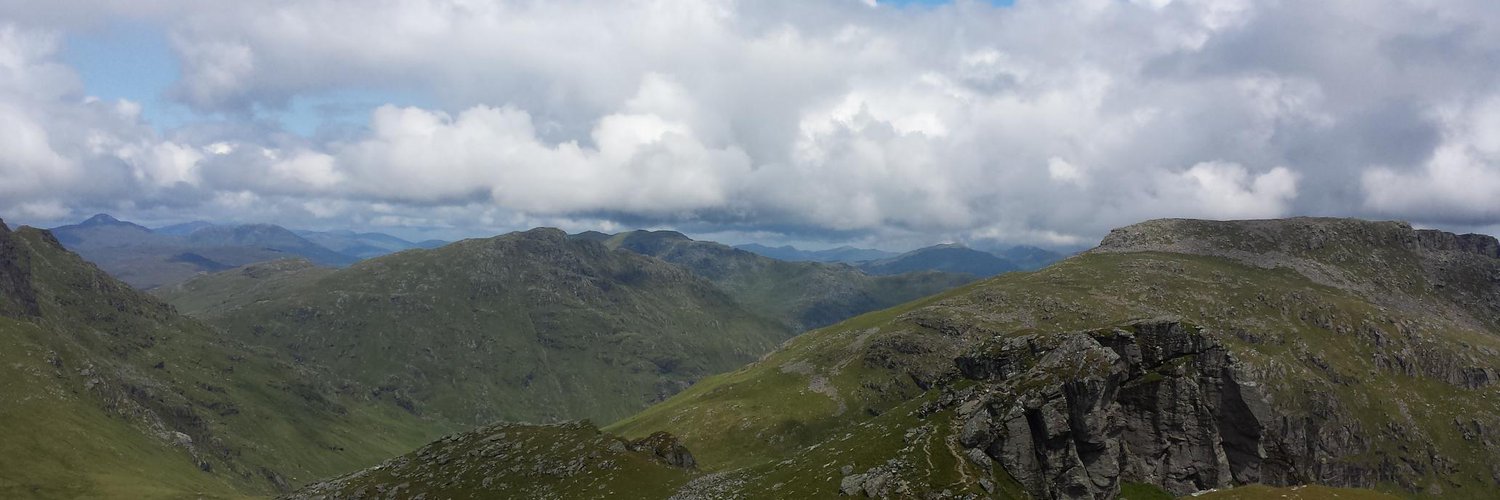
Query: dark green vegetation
point(802, 295)
point(952, 258)
point(529, 326)
point(107, 392)
point(146, 259)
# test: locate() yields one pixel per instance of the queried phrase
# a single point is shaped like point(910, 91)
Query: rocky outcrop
point(1442, 241)
point(665, 448)
point(17, 296)
point(1073, 415)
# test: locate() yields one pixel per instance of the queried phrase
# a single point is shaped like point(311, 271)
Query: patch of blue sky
point(129, 60)
point(134, 61)
point(307, 114)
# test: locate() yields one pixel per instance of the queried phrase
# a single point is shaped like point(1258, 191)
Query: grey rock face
point(665, 448)
point(17, 296)
point(1159, 402)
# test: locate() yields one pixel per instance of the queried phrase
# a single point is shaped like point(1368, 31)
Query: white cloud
point(1224, 191)
point(1460, 180)
point(1067, 173)
point(1045, 122)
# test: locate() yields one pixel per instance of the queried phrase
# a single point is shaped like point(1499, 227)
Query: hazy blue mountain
point(802, 295)
point(1030, 258)
point(845, 254)
point(146, 259)
point(182, 229)
point(268, 236)
point(359, 245)
point(102, 230)
point(952, 258)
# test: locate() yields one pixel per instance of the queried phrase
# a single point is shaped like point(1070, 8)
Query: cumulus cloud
point(60, 147)
point(1461, 180)
point(1045, 122)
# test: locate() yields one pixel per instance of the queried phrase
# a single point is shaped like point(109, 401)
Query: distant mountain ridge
point(845, 254)
point(943, 257)
point(802, 295)
point(148, 258)
point(952, 257)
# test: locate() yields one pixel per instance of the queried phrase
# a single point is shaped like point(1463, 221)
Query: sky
point(817, 123)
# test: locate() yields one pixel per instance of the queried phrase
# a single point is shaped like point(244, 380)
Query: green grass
point(523, 327)
point(1291, 320)
point(571, 460)
point(100, 383)
point(1142, 491)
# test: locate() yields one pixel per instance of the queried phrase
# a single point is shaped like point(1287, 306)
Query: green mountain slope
point(528, 326)
point(1330, 351)
point(109, 393)
point(803, 295)
point(1178, 356)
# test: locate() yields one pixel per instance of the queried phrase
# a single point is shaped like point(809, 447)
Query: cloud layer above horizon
point(1042, 122)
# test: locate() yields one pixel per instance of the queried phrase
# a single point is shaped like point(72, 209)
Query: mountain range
point(949, 257)
point(801, 295)
point(1177, 356)
point(148, 258)
point(845, 254)
point(528, 326)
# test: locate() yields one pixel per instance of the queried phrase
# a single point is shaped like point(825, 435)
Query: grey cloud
point(1044, 122)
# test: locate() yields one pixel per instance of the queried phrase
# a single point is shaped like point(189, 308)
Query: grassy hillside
point(108, 392)
point(528, 326)
point(1362, 361)
point(802, 295)
point(571, 460)
point(212, 295)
